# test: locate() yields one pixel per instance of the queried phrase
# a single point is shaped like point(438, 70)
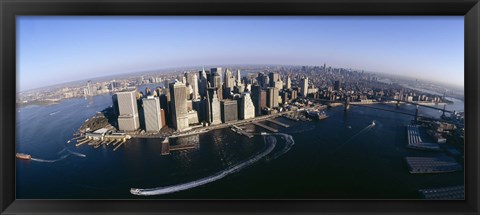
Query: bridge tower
point(444, 107)
point(347, 103)
point(416, 114)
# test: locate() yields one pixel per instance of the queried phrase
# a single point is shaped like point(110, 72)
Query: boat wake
point(369, 127)
point(76, 153)
point(270, 142)
point(50, 161)
point(289, 142)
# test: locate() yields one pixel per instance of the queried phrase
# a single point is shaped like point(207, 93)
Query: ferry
point(165, 140)
point(317, 114)
point(373, 123)
point(23, 156)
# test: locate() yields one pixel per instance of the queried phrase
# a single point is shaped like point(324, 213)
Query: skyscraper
point(229, 110)
point(216, 77)
point(202, 83)
point(289, 83)
point(192, 80)
point(247, 109)
point(178, 93)
point(153, 115)
point(256, 98)
point(229, 79)
point(238, 78)
point(128, 112)
point(273, 77)
point(215, 109)
point(272, 97)
point(337, 86)
point(304, 86)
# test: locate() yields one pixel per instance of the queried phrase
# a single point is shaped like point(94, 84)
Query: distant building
point(216, 77)
point(179, 106)
point(153, 115)
point(229, 110)
point(239, 77)
point(89, 90)
point(337, 85)
point(289, 83)
point(192, 80)
point(304, 87)
point(247, 109)
point(128, 119)
point(229, 79)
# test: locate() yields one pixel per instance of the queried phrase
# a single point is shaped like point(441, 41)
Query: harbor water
point(340, 157)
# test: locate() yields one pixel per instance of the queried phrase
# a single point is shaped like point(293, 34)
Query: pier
point(432, 164)
point(456, 192)
point(278, 123)
point(121, 143)
point(416, 142)
point(265, 127)
point(182, 147)
point(165, 148)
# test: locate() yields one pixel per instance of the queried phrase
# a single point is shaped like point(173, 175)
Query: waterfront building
point(128, 118)
point(304, 87)
point(151, 109)
point(215, 109)
point(229, 110)
point(89, 88)
point(193, 117)
point(115, 105)
point(246, 107)
point(179, 106)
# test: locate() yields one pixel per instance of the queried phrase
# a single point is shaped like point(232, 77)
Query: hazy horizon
point(55, 50)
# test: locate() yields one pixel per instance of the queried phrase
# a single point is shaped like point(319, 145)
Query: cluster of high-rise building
point(203, 98)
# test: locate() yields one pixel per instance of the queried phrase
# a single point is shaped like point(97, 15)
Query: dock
point(416, 142)
point(278, 123)
point(182, 147)
point(432, 164)
point(265, 127)
point(121, 143)
point(443, 193)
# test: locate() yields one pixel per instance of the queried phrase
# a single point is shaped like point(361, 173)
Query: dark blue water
point(339, 157)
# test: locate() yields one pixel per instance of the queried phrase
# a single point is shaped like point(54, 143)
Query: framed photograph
point(273, 107)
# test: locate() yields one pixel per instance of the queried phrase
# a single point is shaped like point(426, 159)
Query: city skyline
point(429, 48)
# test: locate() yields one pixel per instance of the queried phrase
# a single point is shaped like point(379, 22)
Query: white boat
point(166, 140)
point(373, 123)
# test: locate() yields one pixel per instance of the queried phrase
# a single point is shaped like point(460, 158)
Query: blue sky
point(57, 49)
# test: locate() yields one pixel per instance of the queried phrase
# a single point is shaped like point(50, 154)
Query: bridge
point(347, 105)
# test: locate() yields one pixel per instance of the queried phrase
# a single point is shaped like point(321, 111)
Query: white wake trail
point(179, 187)
point(50, 161)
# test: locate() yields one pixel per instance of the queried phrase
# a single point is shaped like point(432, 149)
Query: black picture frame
point(470, 9)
